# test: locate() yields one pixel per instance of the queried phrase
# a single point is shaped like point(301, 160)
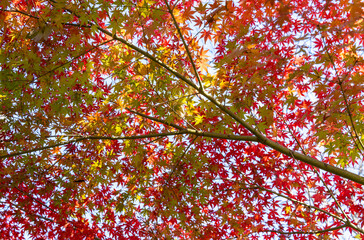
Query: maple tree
point(160, 119)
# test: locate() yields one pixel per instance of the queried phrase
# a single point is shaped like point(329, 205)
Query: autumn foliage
point(187, 119)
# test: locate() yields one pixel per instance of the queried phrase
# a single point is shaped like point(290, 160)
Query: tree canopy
point(187, 119)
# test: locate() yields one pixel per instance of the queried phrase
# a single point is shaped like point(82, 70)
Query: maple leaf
point(154, 119)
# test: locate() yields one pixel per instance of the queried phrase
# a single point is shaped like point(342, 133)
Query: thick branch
point(263, 139)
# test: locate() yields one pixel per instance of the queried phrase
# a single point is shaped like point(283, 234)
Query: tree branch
point(312, 232)
point(82, 138)
point(314, 169)
point(153, 135)
point(30, 196)
point(156, 119)
point(340, 83)
point(185, 45)
point(149, 56)
point(255, 186)
point(301, 203)
point(35, 17)
point(347, 223)
point(262, 138)
point(79, 55)
point(26, 212)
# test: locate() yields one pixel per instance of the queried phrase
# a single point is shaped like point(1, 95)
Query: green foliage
point(181, 119)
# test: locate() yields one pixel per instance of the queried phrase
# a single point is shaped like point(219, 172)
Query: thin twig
point(152, 135)
point(26, 212)
point(316, 172)
point(185, 45)
point(306, 232)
